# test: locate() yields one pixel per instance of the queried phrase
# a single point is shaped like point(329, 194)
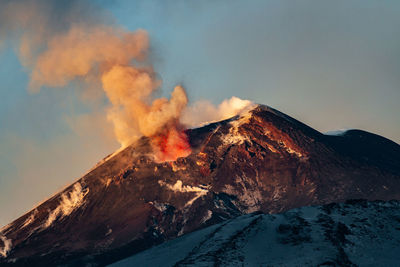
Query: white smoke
point(204, 112)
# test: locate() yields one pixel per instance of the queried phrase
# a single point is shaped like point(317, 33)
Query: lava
point(170, 145)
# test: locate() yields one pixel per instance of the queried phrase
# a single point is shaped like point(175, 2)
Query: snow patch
point(108, 232)
point(243, 117)
point(292, 151)
point(179, 187)
point(30, 219)
point(159, 206)
point(6, 246)
point(233, 136)
point(207, 216)
point(339, 132)
point(234, 139)
point(247, 191)
point(69, 202)
point(5, 228)
point(278, 193)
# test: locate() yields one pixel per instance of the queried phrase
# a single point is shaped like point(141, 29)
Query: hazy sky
point(330, 64)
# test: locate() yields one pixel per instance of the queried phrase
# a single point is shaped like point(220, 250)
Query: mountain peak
point(258, 161)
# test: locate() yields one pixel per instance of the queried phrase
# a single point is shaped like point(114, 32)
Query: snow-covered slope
point(259, 161)
point(355, 233)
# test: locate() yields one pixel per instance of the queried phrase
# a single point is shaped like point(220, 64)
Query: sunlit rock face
point(261, 160)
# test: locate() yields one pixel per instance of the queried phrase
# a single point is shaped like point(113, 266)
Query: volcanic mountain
point(258, 161)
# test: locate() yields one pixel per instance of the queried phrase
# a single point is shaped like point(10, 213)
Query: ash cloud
point(74, 42)
point(58, 47)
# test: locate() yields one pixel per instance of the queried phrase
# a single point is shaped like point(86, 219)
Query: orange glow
point(110, 60)
point(170, 145)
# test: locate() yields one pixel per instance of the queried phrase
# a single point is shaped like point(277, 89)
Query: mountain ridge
point(328, 235)
point(260, 160)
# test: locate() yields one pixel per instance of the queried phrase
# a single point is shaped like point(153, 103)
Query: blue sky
point(330, 64)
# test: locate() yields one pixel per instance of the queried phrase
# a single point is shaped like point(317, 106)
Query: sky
point(330, 64)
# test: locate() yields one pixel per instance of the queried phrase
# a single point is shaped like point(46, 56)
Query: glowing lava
point(170, 145)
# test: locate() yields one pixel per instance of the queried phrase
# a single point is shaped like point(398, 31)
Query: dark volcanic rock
point(262, 160)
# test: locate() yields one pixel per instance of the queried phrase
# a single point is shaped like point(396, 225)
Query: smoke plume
point(65, 50)
point(62, 42)
point(204, 112)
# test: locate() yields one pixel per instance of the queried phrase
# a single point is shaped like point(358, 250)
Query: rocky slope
point(355, 233)
point(261, 160)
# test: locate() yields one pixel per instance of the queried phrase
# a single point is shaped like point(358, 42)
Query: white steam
point(204, 112)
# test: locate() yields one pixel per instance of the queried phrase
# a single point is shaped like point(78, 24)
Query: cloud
point(204, 112)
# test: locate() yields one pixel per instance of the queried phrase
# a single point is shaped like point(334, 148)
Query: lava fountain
point(170, 144)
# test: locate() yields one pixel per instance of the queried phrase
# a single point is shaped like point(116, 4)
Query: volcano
point(258, 161)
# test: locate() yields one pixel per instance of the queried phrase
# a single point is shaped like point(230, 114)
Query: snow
point(30, 219)
point(179, 187)
point(278, 192)
point(361, 234)
point(69, 202)
point(162, 256)
point(159, 206)
point(6, 246)
point(233, 136)
point(291, 150)
point(5, 228)
point(207, 216)
point(339, 132)
point(173, 252)
point(247, 191)
point(243, 117)
point(108, 232)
